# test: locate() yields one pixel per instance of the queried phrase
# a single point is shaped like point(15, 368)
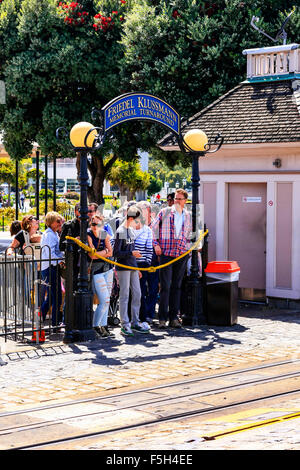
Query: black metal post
point(37, 184)
point(83, 311)
point(194, 312)
point(204, 261)
point(69, 287)
point(17, 190)
point(54, 183)
point(46, 184)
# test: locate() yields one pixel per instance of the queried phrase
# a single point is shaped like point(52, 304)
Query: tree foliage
point(189, 52)
point(56, 70)
point(59, 59)
point(129, 177)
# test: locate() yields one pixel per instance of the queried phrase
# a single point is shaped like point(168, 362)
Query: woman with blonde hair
point(51, 257)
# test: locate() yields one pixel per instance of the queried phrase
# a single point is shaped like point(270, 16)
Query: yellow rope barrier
point(151, 269)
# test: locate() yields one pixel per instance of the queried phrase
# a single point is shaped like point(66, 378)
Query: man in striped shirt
point(172, 231)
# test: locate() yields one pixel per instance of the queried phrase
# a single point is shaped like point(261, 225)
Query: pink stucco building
point(251, 187)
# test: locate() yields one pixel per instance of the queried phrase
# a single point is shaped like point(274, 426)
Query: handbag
point(90, 268)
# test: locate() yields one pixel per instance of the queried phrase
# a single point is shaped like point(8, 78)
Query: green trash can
point(222, 292)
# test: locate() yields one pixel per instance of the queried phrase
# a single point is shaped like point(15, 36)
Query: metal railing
point(24, 289)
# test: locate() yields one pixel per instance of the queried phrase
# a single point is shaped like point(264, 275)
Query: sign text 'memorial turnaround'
point(140, 106)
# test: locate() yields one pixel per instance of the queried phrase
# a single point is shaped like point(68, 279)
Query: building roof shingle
point(250, 113)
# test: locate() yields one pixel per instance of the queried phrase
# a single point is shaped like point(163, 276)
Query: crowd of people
point(137, 236)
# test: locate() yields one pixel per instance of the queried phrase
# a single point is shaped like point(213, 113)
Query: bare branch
point(110, 163)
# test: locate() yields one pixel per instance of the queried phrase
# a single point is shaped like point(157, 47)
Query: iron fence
point(27, 296)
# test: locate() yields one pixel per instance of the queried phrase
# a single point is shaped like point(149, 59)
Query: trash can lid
point(222, 267)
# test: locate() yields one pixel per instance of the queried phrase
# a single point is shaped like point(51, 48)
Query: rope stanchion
point(150, 269)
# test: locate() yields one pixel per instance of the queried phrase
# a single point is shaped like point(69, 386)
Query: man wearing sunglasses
point(171, 238)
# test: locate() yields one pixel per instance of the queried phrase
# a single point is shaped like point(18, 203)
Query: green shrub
point(7, 212)
point(61, 207)
point(72, 195)
point(49, 192)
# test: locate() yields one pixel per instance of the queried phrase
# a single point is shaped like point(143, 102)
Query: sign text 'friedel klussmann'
point(140, 107)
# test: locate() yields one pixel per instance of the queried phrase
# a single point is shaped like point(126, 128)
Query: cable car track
point(154, 421)
point(13, 430)
point(147, 389)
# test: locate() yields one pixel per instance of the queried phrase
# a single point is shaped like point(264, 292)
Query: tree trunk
point(95, 191)
point(97, 171)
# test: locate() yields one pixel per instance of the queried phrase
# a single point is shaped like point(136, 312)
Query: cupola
point(273, 63)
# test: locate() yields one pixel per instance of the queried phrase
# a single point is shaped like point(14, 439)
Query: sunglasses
point(91, 211)
point(95, 224)
point(33, 218)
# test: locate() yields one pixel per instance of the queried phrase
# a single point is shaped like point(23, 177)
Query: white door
point(247, 236)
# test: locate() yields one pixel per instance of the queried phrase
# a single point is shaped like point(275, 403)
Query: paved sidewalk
point(55, 371)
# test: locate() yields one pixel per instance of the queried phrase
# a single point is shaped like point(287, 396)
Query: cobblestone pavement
point(31, 375)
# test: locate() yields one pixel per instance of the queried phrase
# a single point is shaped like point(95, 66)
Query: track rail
point(150, 389)
point(160, 400)
point(177, 416)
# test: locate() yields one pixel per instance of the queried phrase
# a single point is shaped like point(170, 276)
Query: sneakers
point(101, 331)
point(175, 324)
point(110, 333)
point(141, 327)
point(162, 325)
point(126, 331)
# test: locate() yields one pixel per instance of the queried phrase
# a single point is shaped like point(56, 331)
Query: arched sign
point(140, 106)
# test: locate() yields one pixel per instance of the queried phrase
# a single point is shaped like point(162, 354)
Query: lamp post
point(195, 143)
point(82, 137)
point(37, 183)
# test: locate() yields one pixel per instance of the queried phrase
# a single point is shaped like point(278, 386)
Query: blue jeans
point(51, 275)
point(102, 285)
point(149, 289)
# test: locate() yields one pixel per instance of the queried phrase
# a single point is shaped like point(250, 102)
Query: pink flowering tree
point(57, 66)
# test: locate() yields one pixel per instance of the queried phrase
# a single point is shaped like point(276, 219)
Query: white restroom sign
point(251, 199)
